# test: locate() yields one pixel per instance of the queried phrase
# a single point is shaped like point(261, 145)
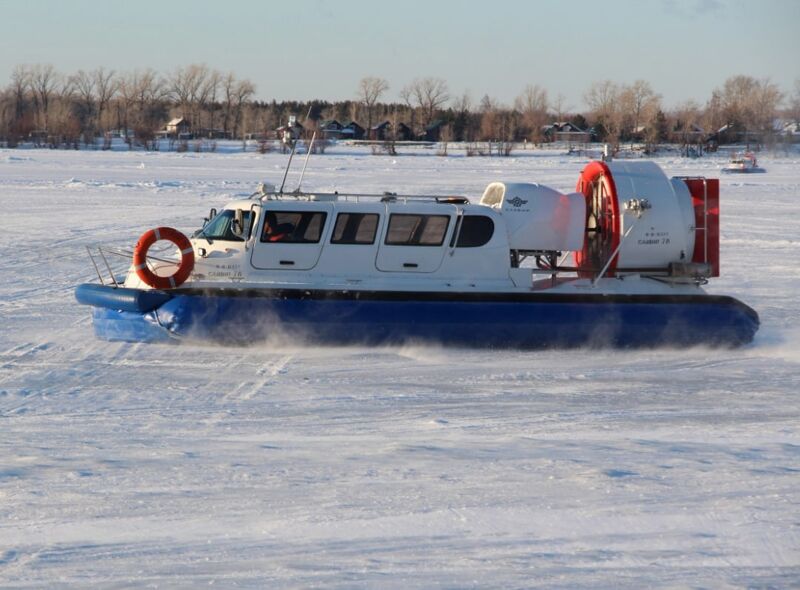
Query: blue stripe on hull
point(542, 323)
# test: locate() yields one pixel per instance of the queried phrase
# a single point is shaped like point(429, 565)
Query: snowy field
point(131, 465)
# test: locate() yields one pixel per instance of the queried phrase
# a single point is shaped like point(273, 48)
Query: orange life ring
point(149, 238)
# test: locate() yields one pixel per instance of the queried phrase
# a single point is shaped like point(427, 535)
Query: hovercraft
point(743, 164)
point(621, 262)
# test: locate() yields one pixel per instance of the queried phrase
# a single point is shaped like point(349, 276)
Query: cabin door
point(290, 237)
point(416, 237)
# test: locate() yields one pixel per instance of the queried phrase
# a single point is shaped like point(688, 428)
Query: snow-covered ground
point(272, 467)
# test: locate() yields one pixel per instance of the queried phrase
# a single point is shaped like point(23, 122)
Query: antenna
point(289, 163)
point(288, 135)
point(308, 155)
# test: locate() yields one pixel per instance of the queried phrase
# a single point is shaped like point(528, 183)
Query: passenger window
point(293, 227)
point(474, 231)
point(416, 230)
point(355, 228)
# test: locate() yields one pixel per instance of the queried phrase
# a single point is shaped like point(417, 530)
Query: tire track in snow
point(20, 352)
point(248, 389)
point(56, 377)
point(47, 361)
point(269, 370)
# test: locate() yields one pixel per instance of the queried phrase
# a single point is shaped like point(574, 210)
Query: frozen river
point(412, 467)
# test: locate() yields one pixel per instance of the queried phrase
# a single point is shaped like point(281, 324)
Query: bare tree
point(498, 126)
point(560, 107)
point(489, 110)
point(65, 128)
point(106, 86)
point(44, 80)
point(686, 121)
point(151, 90)
point(445, 137)
point(126, 87)
point(207, 96)
point(6, 116)
point(750, 104)
point(533, 104)
point(766, 100)
point(407, 96)
point(429, 94)
point(713, 114)
point(240, 93)
point(244, 92)
point(736, 98)
point(603, 101)
point(142, 95)
point(464, 128)
point(229, 84)
point(463, 104)
point(792, 116)
point(794, 102)
point(370, 89)
point(640, 106)
point(20, 85)
point(144, 87)
point(84, 84)
point(185, 86)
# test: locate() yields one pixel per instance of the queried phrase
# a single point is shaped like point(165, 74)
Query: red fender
point(608, 214)
point(705, 199)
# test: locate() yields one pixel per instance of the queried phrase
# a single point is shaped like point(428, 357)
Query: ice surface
point(415, 467)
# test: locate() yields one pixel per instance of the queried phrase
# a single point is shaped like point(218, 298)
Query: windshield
point(220, 228)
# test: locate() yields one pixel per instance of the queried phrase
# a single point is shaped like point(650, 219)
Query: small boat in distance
point(620, 262)
point(743, 164)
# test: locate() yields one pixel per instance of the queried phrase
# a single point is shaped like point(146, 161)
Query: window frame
point(354, 242)
point(276, 212)
point(416, 244)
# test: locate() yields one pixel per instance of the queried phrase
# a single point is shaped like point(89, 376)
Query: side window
point(416, 230)
point(293, 227)
point(355, 228)
point(474, 231)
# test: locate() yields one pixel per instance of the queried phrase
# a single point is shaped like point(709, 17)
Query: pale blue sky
point(321, 48)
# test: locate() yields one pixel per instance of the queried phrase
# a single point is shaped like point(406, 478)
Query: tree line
point(47, 107)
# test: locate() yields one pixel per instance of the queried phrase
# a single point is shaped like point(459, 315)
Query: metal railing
point(100, 256)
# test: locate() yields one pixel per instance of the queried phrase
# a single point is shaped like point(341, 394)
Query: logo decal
point(517, 202)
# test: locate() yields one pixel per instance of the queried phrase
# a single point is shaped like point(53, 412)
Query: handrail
point(272, 196)
point(96, 268)
point(103, 252)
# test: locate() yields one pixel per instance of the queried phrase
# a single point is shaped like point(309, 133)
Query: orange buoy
point(185, 267)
